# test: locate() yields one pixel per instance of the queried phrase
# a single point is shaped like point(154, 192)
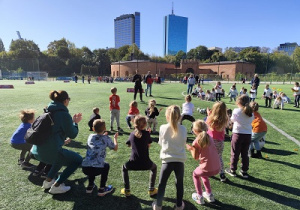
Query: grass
point(274, 181)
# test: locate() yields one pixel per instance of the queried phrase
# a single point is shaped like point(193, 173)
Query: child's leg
point(128, 121)
point(125, 177)
point(111, 119)
point(104, 175)
point(235, 150)
point(154, 124)
point(266, 102)
point(165, 172)
point(220, 147)
point(91, 173)
point(255, 137)
point(196, 178)
point(206, 183)
point(118, 118)
point(24, 148)
point(244, 151)
point(152, 177)
point(179, 174)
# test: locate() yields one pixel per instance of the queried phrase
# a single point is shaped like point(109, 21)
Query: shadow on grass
point(284, 163)
point(270, 142)
point(76, 144)
point(169, 98)
point(291, 202)
point(155, 139)
point(278, 151)
point(162, 105)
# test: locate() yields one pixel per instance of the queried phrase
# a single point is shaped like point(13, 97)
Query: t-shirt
point(114, 102)
point(92, 119)
point(297, 90)
point(252, 93)
point(241, 122)
point(218, 89)
point(191, 81)
point(172, 148)
point(217, 135)
point(96, 150)
point(188, 108)
point(140, 148)
point(133, 111)
point(208, 157)
point(19, 134)
point(258, 124)
point(233, 92)
point(268, 92)
point(149, 79)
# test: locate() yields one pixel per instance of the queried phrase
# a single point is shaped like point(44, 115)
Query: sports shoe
point(155, 206)
point(120, 130)
point(125, 192)
point(90, 189)
point(37, 172)
point(106, 190)
point(199, 199)
point(152, 192)
point(26, 165)
point(222, 177)
point(180, 207)
point(209, 197)
point(230, 172)
point(20, 161)
point(244, 174)
point(60, 189)
point(47, 185)
point(44, 175)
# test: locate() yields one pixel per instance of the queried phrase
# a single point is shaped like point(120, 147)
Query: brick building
point(226, 69)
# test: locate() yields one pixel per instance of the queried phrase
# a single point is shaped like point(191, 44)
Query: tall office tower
point(288, 47)
point(175, 34)
point(127, 30)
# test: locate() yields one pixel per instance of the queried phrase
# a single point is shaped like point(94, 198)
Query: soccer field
point(274, 181)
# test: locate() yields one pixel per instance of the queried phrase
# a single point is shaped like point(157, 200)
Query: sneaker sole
point(196, 200)
point(61, 192)
point(234, 175)
point(245, 177)
point(90, 191)
point(103, 194)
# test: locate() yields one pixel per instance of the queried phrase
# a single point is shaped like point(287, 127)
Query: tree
point(296, 59)
point(281, 63)
point(24, 49)
point(230, 55)
point(2, 48)
point(180, 55)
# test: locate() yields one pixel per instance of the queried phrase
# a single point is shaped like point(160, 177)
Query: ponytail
point(139, 124)
point(202, 138)
point(58, 96)
point(173, 112)
point(243, 101)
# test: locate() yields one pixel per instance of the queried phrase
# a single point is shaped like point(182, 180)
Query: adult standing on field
point(255, 81)
point(190, 82)
point(52, 151)
point(149, 81)
point(137, 79)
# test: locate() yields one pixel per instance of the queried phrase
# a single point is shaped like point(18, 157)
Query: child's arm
point(116, 141)
point(193, 151)
point(67, 141)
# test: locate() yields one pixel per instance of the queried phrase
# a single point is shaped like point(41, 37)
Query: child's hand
point(189, 147)
point(67, 141)
point(149, 130)
point(105, 134)
point(116, 135)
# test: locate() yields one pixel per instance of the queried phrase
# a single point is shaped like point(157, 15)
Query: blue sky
point(221, 23)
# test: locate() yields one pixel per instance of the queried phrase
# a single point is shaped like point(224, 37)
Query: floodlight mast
point(19, 35)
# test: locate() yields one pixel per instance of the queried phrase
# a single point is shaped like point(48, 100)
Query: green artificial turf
point(274, 181)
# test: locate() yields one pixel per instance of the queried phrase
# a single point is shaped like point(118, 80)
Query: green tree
point(2, 48)
point(296, 59)
point(24, 49)
point(230, 55)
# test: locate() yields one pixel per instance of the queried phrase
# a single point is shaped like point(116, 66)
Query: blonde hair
point(173, 114)
point(113, 90)
point(26, 115)
point(151, 105)
point(99, 126)
point(133, 103)
point(202, 138)
point(139, 124)
point(279, 98)
point(218, 118)
point(243, 101)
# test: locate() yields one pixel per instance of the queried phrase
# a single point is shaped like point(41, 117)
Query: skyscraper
point(175, 34)
point(127, 30)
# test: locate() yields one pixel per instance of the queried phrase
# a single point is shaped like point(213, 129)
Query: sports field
point(274, 181)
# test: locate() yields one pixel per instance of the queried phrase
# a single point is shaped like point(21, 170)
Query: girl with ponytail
point(242, 118)
point(204, 150)
point(172, 139)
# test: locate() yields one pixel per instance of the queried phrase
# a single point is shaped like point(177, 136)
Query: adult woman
point(255, 81)
point(51, 151)
point(191, 82)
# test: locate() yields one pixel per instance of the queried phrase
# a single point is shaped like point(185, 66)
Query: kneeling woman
point(52, 151)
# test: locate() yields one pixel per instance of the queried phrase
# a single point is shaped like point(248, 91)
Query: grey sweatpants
point(115, 113)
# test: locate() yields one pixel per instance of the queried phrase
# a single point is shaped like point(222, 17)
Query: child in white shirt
point(296, 90)
point(268, 96)
point(233, 93)
point(278, 103)
point(253, 93)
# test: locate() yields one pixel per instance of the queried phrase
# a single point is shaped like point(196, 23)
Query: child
point(233, 93)
point(187, 110)
point(94, 117)
point(114, 105)
point(151, 112)
point(242, 118)
point(213, 92)
point(204, 150)
point(202, 95)
point(285, 98)
point(278, 103)
point(93, 164)
point(195, 92)
point(217, 121)
point(296, 90)
point(242, 91)
point(275, 94)
point(230, 124)
point(268, 96)
point(208, 96)
point(245, 92)
point(17, 140)
point(253, 93)
point(218, 89)
point(133, 111)
point(172, 139)
point(259, 130)
point(139, 141)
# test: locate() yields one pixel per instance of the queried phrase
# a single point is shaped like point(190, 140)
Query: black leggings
point(92, 172)
point(140, 89)
point(166, 170)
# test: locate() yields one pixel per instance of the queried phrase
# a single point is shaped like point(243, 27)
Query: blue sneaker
point(105, 190)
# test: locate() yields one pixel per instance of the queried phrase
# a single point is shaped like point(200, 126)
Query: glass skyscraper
point(127, 30)
point(175, 34)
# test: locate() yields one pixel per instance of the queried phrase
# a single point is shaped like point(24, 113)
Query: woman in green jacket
point(52, 152)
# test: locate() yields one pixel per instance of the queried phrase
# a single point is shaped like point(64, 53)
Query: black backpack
point(40, 129)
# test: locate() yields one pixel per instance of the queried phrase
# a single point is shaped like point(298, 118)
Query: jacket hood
point(55, 106)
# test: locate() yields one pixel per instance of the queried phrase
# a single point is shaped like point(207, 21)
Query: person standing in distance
point(137, 79)
point(149, 82)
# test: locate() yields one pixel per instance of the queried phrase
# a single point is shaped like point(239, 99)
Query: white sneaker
point(155, 206)
point(60, 189)
point(209, 197)
point(47, 185)
point(181, 207)
point(199, 199)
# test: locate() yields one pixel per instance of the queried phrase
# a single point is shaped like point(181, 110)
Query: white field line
point(271, 124)
point(282, 132)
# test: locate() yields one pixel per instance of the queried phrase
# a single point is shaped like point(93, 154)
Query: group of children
point(215, 94)
point(248, 128)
